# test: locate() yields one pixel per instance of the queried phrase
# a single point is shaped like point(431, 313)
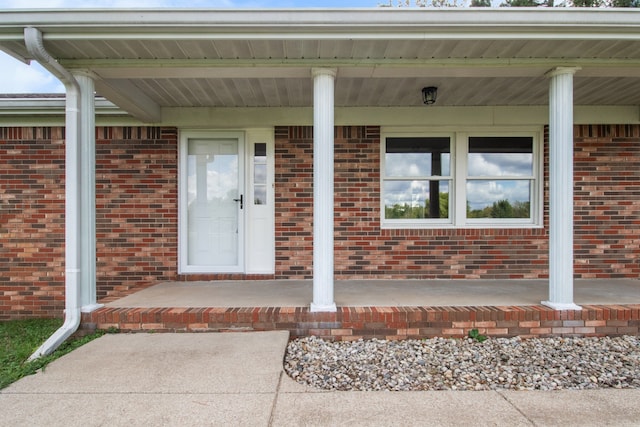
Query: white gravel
point(466, 364)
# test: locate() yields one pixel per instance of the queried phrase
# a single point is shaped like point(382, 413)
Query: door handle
point(240, 200)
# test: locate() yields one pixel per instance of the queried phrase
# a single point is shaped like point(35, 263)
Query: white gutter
point(50, 105)
point(374, 23)
point(33, 42)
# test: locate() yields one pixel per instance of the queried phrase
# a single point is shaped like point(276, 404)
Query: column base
point(561, 305)
point(90, 308)
point(316, 308)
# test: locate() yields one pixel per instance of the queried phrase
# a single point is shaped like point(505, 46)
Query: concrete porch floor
point(376, 293)
point(384, 309)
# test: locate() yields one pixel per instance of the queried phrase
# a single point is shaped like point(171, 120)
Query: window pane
point(500, 156)
point(260, 195)
point(416, 199)
point(260, 174)
point(499, 199)
point(423, 157)
point(260, 149)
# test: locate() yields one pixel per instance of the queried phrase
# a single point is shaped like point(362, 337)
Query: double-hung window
point(461, 180)
point(500, 179)
point(417, 181)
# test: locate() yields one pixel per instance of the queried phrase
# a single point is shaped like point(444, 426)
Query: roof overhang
point(145, 61)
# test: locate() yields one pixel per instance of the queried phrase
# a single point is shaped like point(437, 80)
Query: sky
point(17, 77)
point(480, 192)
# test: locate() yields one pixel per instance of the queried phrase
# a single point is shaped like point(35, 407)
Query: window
point(499, 177)
point(417, 178)
point(260, 173)
point(461, 180)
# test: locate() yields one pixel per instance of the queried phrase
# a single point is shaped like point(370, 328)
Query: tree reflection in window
point(500, 177)
point(417, 177)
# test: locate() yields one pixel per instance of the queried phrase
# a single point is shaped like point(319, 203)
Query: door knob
point(240, 200)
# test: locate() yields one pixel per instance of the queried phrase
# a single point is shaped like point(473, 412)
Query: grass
point(20, 338)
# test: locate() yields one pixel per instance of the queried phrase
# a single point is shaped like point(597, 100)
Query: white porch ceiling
point(384, 57)
point(399, 92)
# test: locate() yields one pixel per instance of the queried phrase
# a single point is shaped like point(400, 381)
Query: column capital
point(332, 72)
point(84, 73)
point(562, 70)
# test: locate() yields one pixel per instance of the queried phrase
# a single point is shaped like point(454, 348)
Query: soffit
point(335, 49)
point(264, 58)
point(354, 92)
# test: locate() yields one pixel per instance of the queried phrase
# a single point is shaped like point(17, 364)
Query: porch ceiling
point(215, 58)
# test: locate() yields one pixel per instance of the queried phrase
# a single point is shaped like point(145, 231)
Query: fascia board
point(32, 104)
point(15, 55)
point(374, 22)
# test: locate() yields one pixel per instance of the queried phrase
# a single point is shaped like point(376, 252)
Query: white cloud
point(17, 77)
point(221, 178)
point(481, 194)
point(500, 164)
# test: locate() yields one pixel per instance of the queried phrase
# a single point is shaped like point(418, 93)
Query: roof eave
point(379, 20)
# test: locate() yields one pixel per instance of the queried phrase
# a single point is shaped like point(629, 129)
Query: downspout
point(35, 46)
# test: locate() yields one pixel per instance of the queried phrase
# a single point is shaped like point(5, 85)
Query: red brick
point(594, 323)
point(529, 324)
point(540, 331)
point(497, 331)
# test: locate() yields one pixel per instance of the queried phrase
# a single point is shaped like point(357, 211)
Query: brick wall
point(294, 202)
point(136, 177)
point(353, 323)
point(364, 250)
point(607, 215)
point(607, 201)
point(136, 207)
point(31, 222)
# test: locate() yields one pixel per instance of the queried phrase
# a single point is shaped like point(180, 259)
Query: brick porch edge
point(352, 323)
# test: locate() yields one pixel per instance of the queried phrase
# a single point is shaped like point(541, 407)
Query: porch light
point(429, 95)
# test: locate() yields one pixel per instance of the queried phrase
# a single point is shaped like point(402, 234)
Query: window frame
point(416, 223)
point(459, 138)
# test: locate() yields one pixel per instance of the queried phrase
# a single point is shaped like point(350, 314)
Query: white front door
point(213, 203)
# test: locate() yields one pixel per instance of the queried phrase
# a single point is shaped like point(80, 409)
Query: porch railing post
point(323, 122)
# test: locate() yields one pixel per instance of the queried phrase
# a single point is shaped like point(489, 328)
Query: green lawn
point(20, 338)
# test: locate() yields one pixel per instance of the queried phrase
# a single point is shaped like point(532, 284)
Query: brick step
point(352, 323)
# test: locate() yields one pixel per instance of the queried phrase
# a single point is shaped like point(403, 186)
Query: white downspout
point(33, 42)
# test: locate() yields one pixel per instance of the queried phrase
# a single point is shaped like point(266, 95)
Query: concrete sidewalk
point(237, 379)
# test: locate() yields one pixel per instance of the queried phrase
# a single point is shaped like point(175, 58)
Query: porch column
point(323, 88)
point(561, 189)
point(87, 137)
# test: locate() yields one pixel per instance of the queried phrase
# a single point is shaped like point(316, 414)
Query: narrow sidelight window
point(260, 174)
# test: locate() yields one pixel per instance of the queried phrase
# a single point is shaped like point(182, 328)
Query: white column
point(561, 189)
point(87, 141)
point(323, 94)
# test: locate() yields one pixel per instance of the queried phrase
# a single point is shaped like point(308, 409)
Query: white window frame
point(417, 223)
point(458, 198)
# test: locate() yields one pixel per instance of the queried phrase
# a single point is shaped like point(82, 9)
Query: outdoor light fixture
point(429, 95)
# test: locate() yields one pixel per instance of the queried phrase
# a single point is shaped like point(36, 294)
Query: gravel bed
point(466, 364)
